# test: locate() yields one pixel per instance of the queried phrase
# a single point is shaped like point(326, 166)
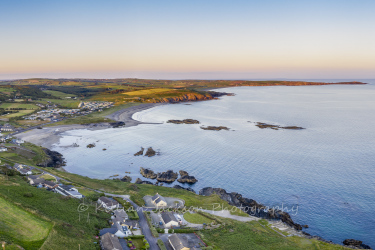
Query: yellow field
point(147, 92)
point(20, 224)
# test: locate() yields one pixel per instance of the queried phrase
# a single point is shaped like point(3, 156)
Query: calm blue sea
point(326, 170)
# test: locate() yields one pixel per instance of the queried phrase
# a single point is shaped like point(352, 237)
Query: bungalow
point(169, 220)
point(3, 149)
point(178, 242)
point(159, 200)
point(68, 190)
point(34, 180)
point(22, 169)
point(7, 128)
point(121, 229)
point(120, 215)
point(49, 184)
point(108, 203)
point(110, 242)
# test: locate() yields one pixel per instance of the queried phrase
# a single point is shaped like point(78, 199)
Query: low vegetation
point(196, 218)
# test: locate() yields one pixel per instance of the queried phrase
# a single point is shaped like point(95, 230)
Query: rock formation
point(150, 152)
point(263, 125)
point(251, 206)
point(126, 178)
point(168, 176)
point(215, 128)
point(186, 178)
point(188, 189)
point(185, 121)
point(91, 145)
point(147, 173)
point(117, 124)
point(55, 159)
point(356, 244)
point(140, 152)
point(139, 181)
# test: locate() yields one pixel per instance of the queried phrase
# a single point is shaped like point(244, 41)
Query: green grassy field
point(66, 103)
point(70, 229)
point(48, 177)
point(22, 225)
point(196, 218)
point(58, 94)
point(18, 105)
point(254, 235)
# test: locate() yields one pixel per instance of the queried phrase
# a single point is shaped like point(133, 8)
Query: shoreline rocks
point(126, 178)
point(150, 152)
point(215, 128)
point(186, 178)
point(147, 173)
point(356, 244)
point(139, 181)
point(253, 208)
point(263, 125)
point(55, 160)
point(140, 152)
point(188, 189)
point(168, 176)
point(91, 145)
point(185, 121)
point(117, 124)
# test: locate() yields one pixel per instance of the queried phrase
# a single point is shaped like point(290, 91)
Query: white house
point(3, 149)
point(68, 190)
point(122, 229)
point(22, 169)
point(159, 200)
point(108, 203)
point(169, 220)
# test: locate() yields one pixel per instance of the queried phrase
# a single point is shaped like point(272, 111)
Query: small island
point(215, 128)
point(263, 125)
point(185, 121)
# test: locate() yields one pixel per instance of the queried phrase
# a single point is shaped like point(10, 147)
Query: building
point(3, 149)
point(68, 190)
point(169, 220)
point(120, 215)
point(108, 203)
point(110, 242)
point(50, 184)
point(159, 200)
point(178, 242)
point(35, 180)
point(17, 141)
point(22, 169)
point(7, 128)
point(121, 229)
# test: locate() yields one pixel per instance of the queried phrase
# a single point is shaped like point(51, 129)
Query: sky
point(195, 39)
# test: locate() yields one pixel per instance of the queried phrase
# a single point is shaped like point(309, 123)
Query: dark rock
point(147, 173)
point(305, 226)
point(251, 206)
point(168, 176)
point(276, 127)
point(91, 145)
point(186, 178)
point(185, 121)
point(126, 179)
point(215, 128)
point(188, 189)
point(140, 152)
point(55, 159)
point(356, 244)
point(117, 124)
point(150, 152)
point(139, 181)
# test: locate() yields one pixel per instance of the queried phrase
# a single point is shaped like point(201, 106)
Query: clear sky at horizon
point(187, 39)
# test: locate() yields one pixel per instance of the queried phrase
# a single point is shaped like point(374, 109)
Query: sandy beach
point(48, 136)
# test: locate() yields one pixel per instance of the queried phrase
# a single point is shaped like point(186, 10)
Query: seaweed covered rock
point(55, 159)
point(150, 152)
point(140, 152)
point(126, 178)
point(188, 189)
point(168, 176)
point(139, 181)
point(185, 121)
point(147, 173)
point(186, 178)
point(215, 128)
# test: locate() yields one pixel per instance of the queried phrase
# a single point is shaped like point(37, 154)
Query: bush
point(161, 245)
point(28, 195)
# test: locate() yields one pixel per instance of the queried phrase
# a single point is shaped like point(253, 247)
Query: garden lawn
point(196, 218)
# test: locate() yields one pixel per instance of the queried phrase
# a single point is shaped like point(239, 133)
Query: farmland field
point(68, 103)
point(20, 224)
point(147, 92)
point(58, 94)
point(18, 105)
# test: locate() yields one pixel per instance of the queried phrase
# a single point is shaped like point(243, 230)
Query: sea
point(324, 175)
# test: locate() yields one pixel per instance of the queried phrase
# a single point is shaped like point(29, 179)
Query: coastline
point(48, 136)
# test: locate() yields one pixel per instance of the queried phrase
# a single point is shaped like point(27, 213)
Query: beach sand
point(48, 136)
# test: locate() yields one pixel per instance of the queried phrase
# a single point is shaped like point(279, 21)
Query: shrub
point(161, 245)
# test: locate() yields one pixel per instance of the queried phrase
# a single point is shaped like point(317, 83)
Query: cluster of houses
point(52, 114)
point(7, 128)
point(92, 106)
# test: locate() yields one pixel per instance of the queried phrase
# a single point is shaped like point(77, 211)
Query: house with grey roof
point(120, 214)
point(68, 190)
point(109, 241)
point(169, 220)
point(159, 200)
point(178, 242)
point(108, 203)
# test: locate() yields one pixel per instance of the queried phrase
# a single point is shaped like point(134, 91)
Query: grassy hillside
point(63, 227)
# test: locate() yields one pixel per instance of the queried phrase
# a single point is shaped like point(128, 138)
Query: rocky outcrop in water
point(91, 145)
point(186, 178)
point(263, 125)
point(55, 159)
point(150, 152)
point(188, 189)
point(140, 152)
point(185, 121)
point(251, 206)
point(126, 178)
point(147, 173)
point(355, 244)
point(168, 176)
point(215, 128)
point(139, 181)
